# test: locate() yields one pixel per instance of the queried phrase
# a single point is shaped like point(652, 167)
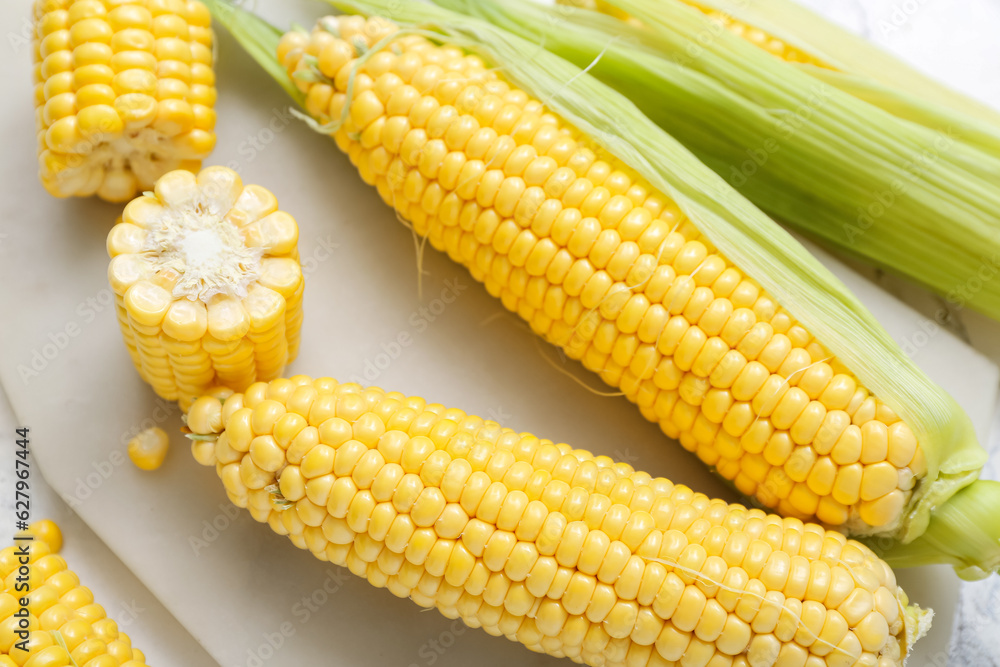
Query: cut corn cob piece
point(570, 554)
point(124, 92)
point(602, 265)
point(63, 627)
point(207, 283)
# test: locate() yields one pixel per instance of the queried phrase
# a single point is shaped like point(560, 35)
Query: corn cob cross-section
point(570, 554)
point(63, 627)
point(604, 266)
point(124, 93)
point(207, 282)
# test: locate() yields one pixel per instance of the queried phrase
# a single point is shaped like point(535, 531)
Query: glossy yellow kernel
point(847, 487)
point(902, 445)
point(47, 531)
point(874, 442)
point(848, 447)
point(148, 449)
point(877, 480)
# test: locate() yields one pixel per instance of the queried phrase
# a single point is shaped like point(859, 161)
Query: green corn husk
point(882, 174)
point(827, 42)
point(747, 237)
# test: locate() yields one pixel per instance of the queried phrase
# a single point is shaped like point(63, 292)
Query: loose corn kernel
point(613, 273)
point(149, 448)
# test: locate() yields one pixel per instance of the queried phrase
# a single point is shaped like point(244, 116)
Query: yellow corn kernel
point(149, 448)
point(481, 175)
point(46, 531)
point(206, 298)
point(128, 122)
point(752, 34)
point(64, 625)
point(595, 561)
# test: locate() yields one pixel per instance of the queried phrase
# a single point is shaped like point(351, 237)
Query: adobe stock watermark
point(212, 529)
point(322, 251)
point(958, 297)
point(432, 649)
point(57, 341)
point(256, 143)
point(104, 469)
point(626, 455)
point(419, 321)
point(885, 199)
point(128, 614)
point(901, 14)
point(21, 38)
point(302, 612)
point(758, 157)
point(696, 48)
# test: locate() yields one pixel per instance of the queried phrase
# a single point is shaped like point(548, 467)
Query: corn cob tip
point(916, 621)
point(963, 532)
point(189, 230)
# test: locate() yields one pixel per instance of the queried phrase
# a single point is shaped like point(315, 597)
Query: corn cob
point(755, 35)
point(124, 92)
point(610, 270)
point(207, 283)
point(828, 149)
point(570, 554)
point(64, 626)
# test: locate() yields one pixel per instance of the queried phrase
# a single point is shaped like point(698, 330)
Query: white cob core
point(207, 252)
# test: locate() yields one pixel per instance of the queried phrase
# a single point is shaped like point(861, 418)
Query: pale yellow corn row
point(66, 627)
point(611, 271)
point(570, 554)
point(207, 283)
point(124, 93)
point(754, 35)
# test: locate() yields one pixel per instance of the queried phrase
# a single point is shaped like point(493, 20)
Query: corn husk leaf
point(976, 133)
point(809, 32)
point(259, 38)
point(906, 197)
point(742, 232)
